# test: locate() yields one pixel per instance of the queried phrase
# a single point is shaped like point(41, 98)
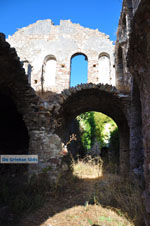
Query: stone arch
point(100, 98)
point(81, 65)
point(49, 72)
point(104, 68)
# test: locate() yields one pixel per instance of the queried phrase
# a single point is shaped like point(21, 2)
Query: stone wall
point(135, 4)
point(138, 61)
point(38, 119)
point(43, 43)
point(47, 117)
point(123, 76)
point(127, 83)
point(102, 98)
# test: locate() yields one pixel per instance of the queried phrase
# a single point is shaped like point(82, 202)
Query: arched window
point(79, 69)
point(104, 68)
point(49, 72)
point(28, 69)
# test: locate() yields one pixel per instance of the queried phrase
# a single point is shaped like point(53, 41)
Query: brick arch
point(101, 98)
point(49, 57)
point(104, 54)
point(77, 54)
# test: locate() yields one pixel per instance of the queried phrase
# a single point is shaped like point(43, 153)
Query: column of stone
point(124, 152)
point(136, 144)
point(145, 94)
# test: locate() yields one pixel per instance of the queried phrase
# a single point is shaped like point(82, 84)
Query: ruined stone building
point(46, 49)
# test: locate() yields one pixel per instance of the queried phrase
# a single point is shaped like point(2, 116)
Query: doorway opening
point(79, 69)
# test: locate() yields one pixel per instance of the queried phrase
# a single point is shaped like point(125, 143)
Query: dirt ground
point(74, 205)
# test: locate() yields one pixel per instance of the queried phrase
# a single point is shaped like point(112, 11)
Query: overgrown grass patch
point(87, 168)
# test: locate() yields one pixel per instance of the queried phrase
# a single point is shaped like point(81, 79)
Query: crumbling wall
point(135, 4)
point(101, 98)
point(35, 113)
point(123, 76)
point(138, 61)
point(128, 84)
point(42, 45)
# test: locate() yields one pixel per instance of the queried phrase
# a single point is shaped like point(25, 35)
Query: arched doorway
point(98, 99)
point(79, 69)
point(96, 135)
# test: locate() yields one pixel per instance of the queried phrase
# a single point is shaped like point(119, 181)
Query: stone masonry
point(135, 60)
point(46, 117)
point(42, 41)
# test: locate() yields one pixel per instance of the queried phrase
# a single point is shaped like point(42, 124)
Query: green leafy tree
point(95, 126)
point(87, 129)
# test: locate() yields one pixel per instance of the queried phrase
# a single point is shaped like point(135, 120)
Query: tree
point(95, 126)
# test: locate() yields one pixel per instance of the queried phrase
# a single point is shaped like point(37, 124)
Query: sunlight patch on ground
point(90, 169)
point(87, 216)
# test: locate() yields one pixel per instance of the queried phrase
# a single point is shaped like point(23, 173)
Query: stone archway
point(101, 98)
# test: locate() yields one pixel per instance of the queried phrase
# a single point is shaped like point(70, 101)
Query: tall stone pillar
point(136, 143)
point(124, 153)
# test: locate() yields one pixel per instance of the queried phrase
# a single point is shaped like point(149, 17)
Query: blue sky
point(101, 14)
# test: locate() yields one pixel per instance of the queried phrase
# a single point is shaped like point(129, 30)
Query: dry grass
point(92, 215)
point(88, 198)
point(112, 190)
point(87, 168)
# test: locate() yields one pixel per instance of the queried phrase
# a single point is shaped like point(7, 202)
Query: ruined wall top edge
point(45, 28)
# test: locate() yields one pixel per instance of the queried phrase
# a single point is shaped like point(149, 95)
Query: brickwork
point(137, 60)
point(42, 141)
point(40, 42)
point(123, 76)
point(47, 117)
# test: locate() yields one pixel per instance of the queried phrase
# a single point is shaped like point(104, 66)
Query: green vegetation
point(95, 126)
